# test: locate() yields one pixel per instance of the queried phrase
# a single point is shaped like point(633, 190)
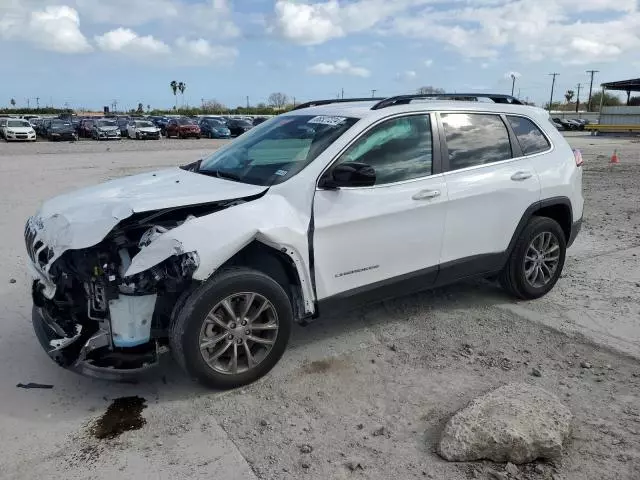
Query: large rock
point(516, 423)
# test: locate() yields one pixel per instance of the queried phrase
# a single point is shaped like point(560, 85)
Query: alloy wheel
point(238, 333)
point(541, 259)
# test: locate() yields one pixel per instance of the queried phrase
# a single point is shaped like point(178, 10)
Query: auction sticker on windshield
point(325, 120)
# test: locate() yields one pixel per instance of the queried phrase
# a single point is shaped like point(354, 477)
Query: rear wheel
point(537, 259)
point(233, 329)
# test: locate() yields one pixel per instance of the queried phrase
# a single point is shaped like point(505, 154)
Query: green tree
point(569, 95)
point(429, 90)
point(278, 100)
point(140, 108)
point(610, 100)
point(182, 87)
point(13, 102)
point(174, 89)
point(634, 102)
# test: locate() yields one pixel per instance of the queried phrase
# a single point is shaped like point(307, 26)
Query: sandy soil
point(405, 365)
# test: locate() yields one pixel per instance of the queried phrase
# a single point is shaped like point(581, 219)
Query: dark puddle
point(123, 414)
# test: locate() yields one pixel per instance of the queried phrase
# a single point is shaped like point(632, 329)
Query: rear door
point(370, 238)
point(490, 185)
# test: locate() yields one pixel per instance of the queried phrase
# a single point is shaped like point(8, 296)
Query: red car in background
point(182, 128)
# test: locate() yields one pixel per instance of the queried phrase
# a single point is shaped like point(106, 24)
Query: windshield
point(144, 124)
point(60, 123)
point(185, 121)
point(18, 123)
point(107, 123)
point(215, 123)
point(277, 149)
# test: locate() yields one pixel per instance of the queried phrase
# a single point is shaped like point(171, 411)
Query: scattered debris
point(393, 348)
point(305, 465)
point(306, 448)
point(12, 280)
point(536, 372)
point(517, 423)
point(379, 431)
point(584, 364)
point(123, 414)
point(360, 426)
point(511, 469)
point(264, 423)
point(34, 385)
point(498, 475)
point(539, 469)
point(354, 465)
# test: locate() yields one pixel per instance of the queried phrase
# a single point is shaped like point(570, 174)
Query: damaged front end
point(90, 314)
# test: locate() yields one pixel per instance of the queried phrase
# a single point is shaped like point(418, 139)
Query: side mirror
point(348, 174)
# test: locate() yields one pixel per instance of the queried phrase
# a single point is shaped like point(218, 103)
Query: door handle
point(519, 176)
point(426, 194)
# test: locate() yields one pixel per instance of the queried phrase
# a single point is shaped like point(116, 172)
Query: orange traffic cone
point(614, 157)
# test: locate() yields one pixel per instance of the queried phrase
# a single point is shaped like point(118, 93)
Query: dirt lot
point(405, 365)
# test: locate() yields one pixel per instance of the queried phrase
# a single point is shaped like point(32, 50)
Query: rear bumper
point(575, 229)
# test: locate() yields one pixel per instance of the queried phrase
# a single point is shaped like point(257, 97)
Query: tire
point(189, 324)
point(513, 277)
point(137, 136)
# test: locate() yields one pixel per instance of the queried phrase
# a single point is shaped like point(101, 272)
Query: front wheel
point(537, 259)
point(233, 329)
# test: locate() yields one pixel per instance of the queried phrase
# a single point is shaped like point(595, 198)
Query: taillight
point(577, 154)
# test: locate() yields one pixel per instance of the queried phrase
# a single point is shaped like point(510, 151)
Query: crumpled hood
point(83, 218)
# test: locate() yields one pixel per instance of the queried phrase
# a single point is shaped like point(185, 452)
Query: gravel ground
point(358, 395)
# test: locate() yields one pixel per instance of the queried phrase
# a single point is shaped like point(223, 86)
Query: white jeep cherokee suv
point(337, 200)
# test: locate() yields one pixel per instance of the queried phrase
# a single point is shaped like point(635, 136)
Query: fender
point(528, 213)
point(217, 237)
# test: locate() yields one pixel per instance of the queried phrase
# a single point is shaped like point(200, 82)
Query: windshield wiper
point(221, 174)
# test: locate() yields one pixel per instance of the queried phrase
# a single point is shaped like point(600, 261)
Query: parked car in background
point(142, 130)
point(575, 125)
point(3, 125)
point(566, 125)
point(58, 129)
point(35, 123)
point(41, 127)
point(182, 127)
point(259, 120)
point(123, 124)
point(18, 129)
point(161, 123)
point(75, 121)
point(105, 129)
point(85, 129)
point(213, 128)
point(238, 127)
point(556, 124)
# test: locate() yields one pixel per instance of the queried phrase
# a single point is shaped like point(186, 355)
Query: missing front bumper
point(78, 353)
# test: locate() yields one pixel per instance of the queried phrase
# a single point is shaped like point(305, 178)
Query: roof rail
point(406, 99)
point(316, 103)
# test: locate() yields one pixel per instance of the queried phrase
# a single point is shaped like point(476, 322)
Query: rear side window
point(475, 139)
point(530, 138)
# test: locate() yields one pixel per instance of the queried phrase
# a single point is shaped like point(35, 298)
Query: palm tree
point(182, 87)
point(13, 102)
point(174, 88)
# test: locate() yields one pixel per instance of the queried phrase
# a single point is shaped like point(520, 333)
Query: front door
point(367, 237)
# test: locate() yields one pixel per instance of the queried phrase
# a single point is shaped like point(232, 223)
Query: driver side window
point(398, 149)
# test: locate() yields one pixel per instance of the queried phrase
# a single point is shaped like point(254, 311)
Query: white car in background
point(143, 129)
point(18, 129)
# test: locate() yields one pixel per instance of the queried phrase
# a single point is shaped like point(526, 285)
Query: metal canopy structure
point(628, 86)
point(624, 85)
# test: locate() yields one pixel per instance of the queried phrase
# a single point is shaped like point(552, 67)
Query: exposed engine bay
point(95, 318)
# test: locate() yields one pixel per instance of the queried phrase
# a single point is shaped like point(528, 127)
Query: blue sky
point(88, 53)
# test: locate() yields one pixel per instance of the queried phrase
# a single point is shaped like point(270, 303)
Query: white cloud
point(406, 76)
point(428, 63)
point(127, 41)
point(200, 16)
point(55, 28)
point(182, 52)
point(316, 23)
point(341, 67)
point(194, 52)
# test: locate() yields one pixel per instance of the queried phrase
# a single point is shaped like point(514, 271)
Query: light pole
point(513, 83)
point(592, 72)
point(553, 84)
